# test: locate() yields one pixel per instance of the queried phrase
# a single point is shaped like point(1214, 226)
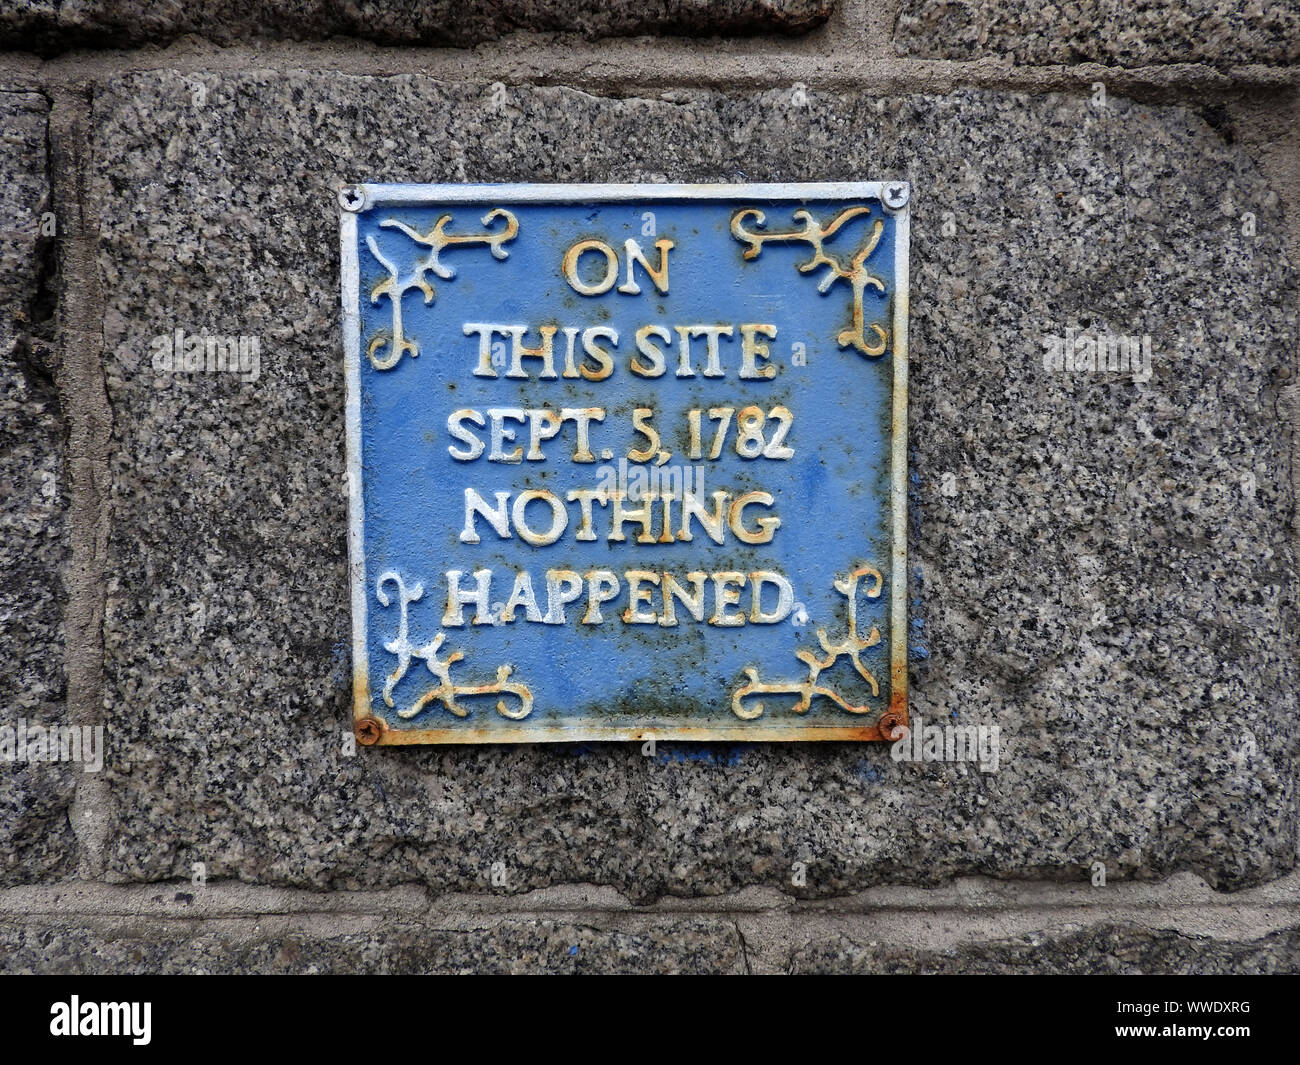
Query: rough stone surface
point(509, 946)
point(51, 26)
point(1111, 949)
point(1125, 32)
point(1105, 575)
point(35, 839)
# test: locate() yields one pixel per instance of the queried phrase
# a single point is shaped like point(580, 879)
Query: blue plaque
point(626, 461)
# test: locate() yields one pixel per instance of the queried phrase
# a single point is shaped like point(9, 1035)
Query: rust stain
point(360, 696)
point(888, 726)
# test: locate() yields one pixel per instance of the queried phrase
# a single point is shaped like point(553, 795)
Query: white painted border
point(415, 195)
point(350, 283)
point(898, 450)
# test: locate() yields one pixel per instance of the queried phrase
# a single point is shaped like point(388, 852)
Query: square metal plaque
point(627, 461)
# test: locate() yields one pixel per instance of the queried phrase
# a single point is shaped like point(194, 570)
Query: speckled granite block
point(1127, 33)
point(1111, 949)
point(49, 27)
point(507, 946)
point(35, 839)
point(1102, 566)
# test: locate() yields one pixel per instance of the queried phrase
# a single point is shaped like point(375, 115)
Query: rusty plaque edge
point(358, 197)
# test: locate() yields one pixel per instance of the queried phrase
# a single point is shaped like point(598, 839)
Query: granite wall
point(1102, 563)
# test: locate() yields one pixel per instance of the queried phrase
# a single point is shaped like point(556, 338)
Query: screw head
point(351, 198)
point(368, 730)
point(896, 194)
point(889, 725)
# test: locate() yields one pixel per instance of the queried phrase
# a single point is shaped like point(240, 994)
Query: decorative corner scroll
point(854, 271)
point(394, 287)
point(446, 691)
point(851, 645)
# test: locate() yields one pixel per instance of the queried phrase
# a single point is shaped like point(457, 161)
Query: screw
point(889, 724)
point(368, 730)
point(351, 198)
point(895, 195)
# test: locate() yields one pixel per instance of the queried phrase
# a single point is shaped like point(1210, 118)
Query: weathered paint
point(763, 270)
